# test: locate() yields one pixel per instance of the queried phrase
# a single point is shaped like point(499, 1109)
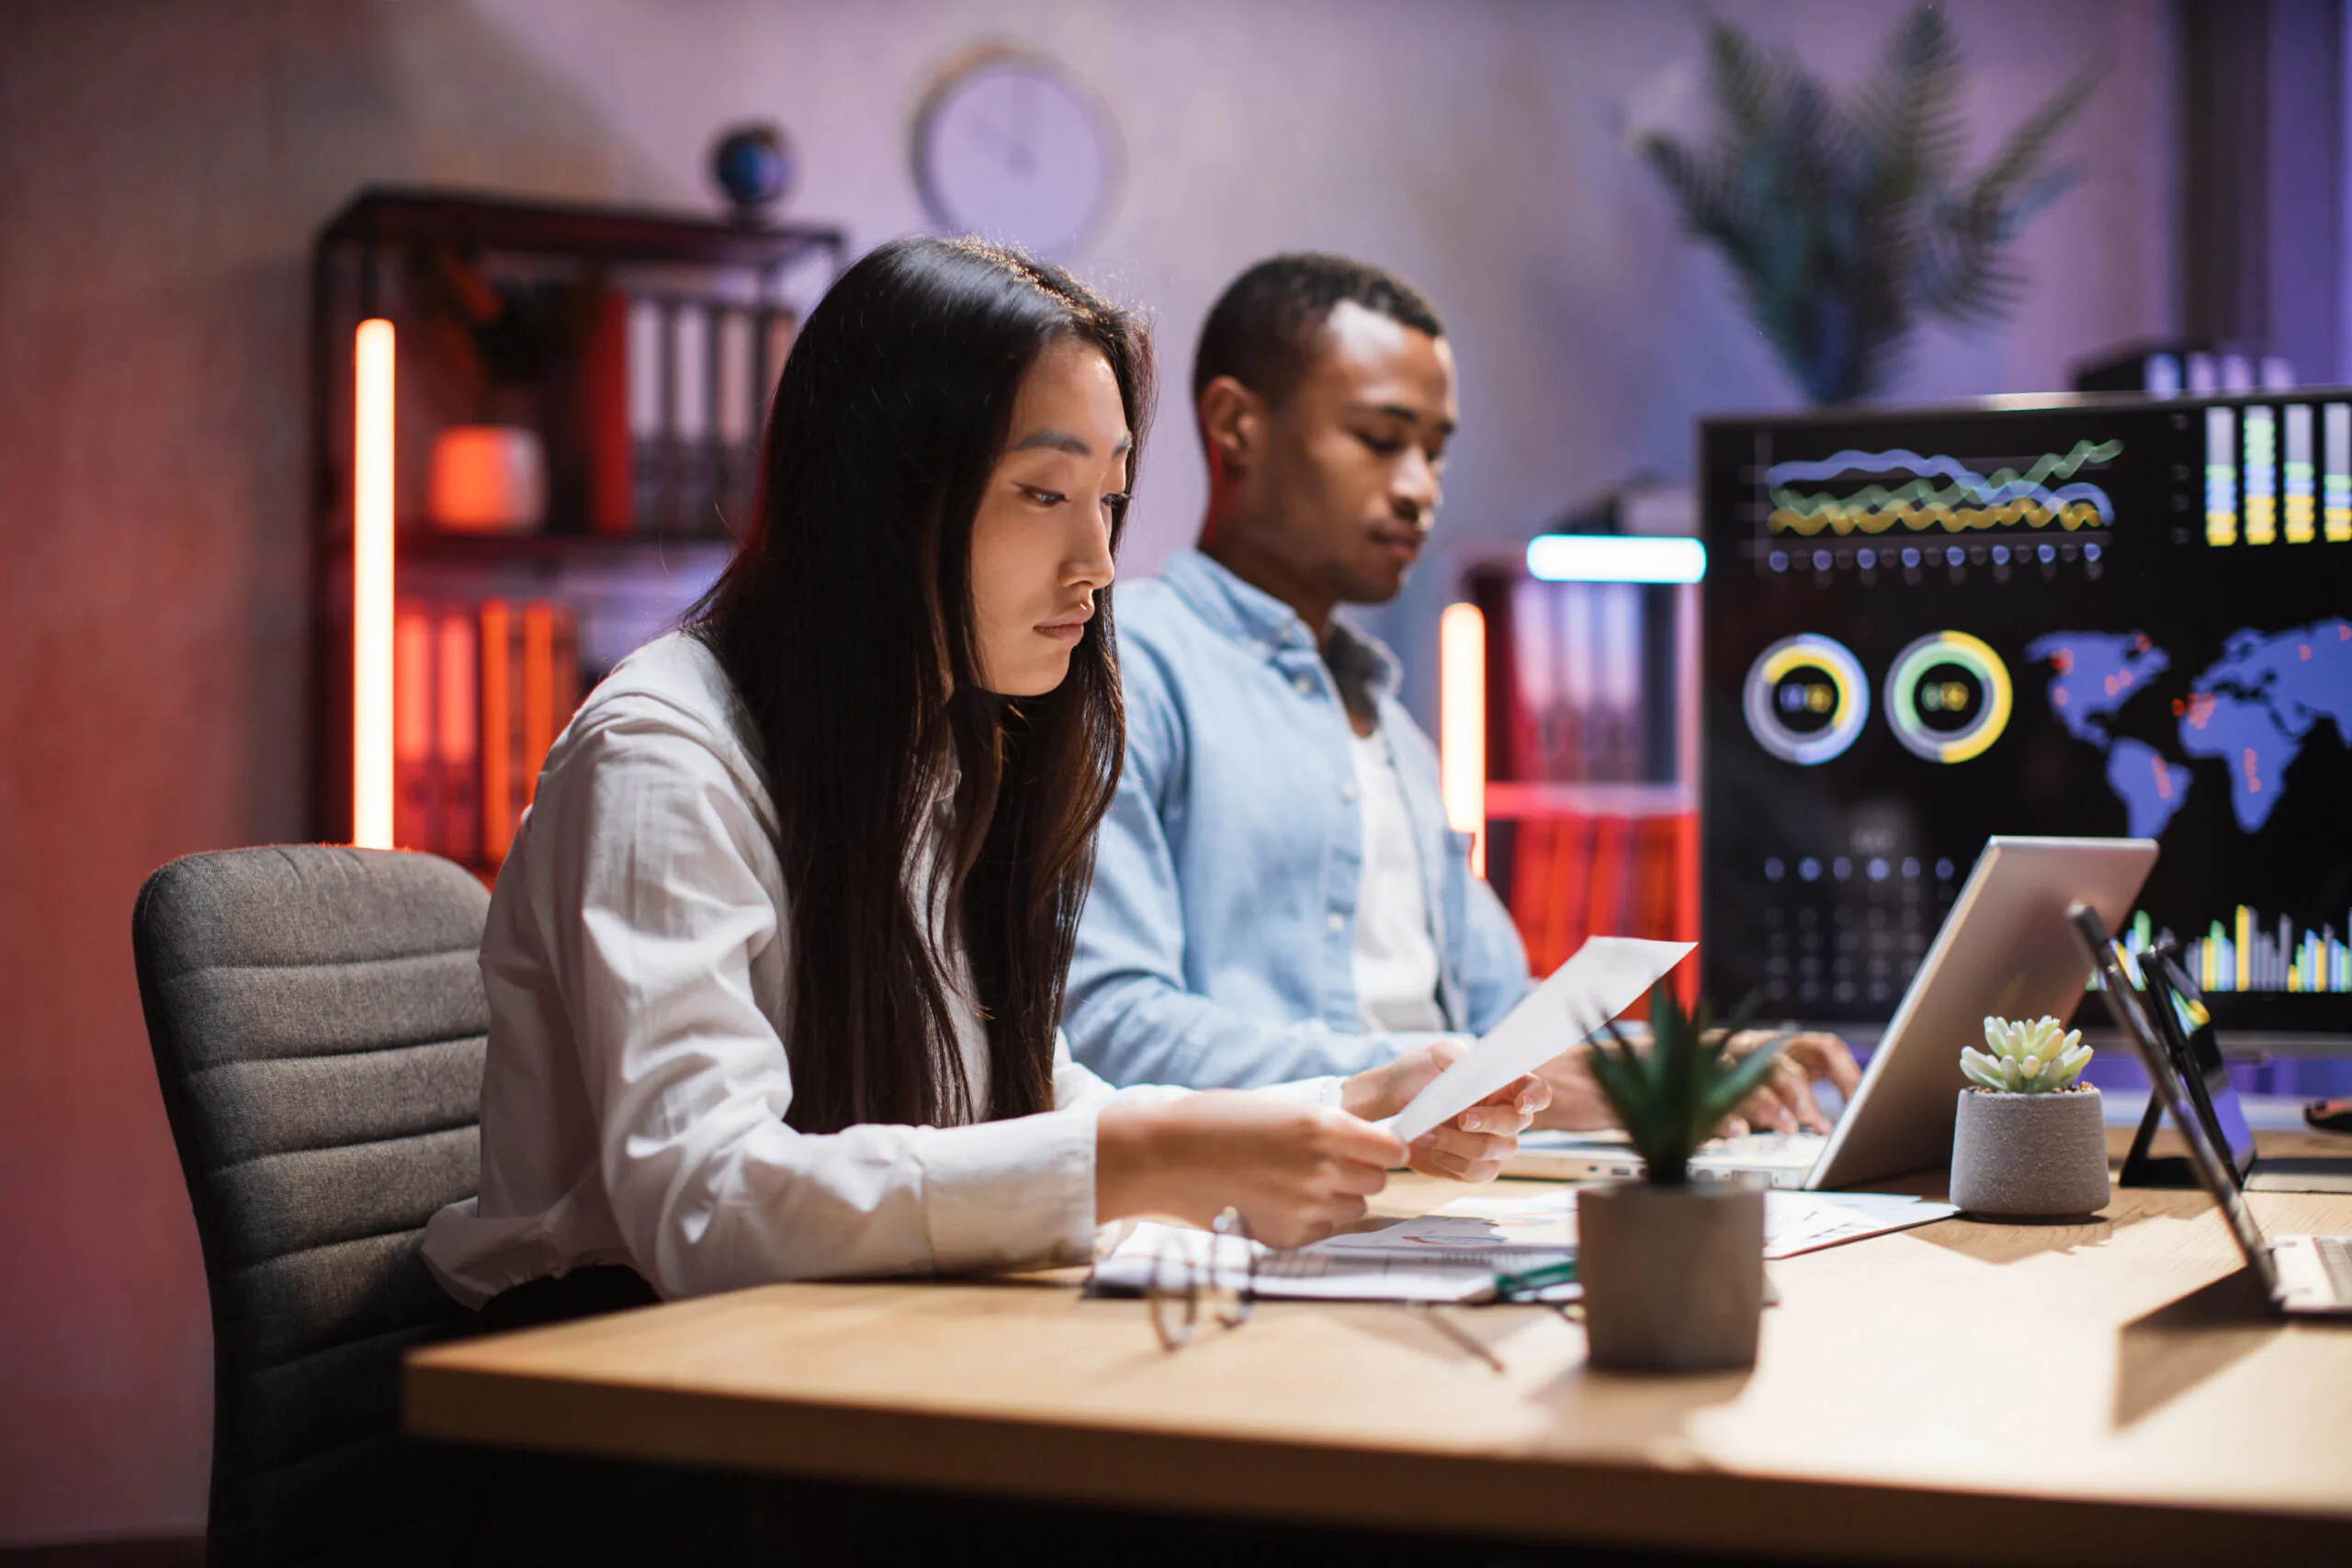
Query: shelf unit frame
point(348, 263)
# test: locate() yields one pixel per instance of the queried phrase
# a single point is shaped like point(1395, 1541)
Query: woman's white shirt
point(636, 1086)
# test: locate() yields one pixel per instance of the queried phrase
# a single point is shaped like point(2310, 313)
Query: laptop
point(2172, 1002)
point(2006, 948)
point(2305, 1275)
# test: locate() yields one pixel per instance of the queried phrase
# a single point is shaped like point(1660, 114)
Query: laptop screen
point(2128, 1007)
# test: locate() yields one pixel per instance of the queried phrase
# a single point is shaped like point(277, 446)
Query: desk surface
point(2112, 1392)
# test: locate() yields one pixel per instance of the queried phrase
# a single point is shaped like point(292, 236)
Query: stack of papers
point(1436, 1258)
point(1453, 1254)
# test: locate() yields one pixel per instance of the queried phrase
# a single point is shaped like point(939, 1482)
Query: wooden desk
point(2106, 1392)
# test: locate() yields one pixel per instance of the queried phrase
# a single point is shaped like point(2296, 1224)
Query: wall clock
point(1011, 146)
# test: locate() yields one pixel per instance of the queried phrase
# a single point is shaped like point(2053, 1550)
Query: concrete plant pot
point(1673, 1276)
point(2030, 1156)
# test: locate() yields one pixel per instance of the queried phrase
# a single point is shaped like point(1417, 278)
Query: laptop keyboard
point(2335, 1257)
point(1767, 1148)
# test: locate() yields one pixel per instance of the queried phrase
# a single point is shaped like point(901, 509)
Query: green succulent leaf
point(2026, 1056)
point(1739, 1080)
point(1671, 1094)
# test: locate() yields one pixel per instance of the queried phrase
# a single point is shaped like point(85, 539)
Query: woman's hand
point(1296, 1172)
point(1474, 1144)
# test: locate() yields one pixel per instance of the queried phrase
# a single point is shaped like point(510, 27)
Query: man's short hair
point(1262, 328)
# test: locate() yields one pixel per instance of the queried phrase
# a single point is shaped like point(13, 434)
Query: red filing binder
point(416, 786)
point(457, 734)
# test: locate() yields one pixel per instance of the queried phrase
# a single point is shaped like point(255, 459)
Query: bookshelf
point(534, 436)
point(1588, 700)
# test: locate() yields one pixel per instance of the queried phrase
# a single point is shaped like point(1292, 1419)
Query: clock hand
point(1012, 149)
point(1025, 114)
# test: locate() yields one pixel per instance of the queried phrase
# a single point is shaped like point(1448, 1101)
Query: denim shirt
point(1217, 944)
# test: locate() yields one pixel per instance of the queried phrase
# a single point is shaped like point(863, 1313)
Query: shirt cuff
point(1012, 1193)
point(1307, 1091)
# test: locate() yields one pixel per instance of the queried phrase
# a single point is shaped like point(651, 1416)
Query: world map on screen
point(2253, 709)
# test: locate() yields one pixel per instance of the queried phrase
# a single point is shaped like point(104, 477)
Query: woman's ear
point(1233, 423)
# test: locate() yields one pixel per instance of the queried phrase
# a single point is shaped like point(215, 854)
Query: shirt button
point(1337, 921)
point(1306, 684)
point(1348, 790)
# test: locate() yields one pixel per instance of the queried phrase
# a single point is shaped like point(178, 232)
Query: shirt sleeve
point(1076, 1089)
point(1130, 1015)
point(658, 899)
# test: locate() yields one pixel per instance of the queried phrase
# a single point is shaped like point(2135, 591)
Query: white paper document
point(1607, 976)
point(1358, 1268)
point(1816, 1220)
point(1794, 1222)
point(1454, 1252)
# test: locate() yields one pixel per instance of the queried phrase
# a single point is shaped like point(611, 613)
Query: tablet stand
point(2142, 1168)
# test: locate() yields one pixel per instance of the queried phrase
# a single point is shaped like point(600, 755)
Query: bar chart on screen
point(2278, 474)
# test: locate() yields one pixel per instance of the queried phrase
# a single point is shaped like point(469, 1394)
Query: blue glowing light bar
point(1614, 557)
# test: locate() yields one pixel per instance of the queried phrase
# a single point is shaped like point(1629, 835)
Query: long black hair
point(915, 811)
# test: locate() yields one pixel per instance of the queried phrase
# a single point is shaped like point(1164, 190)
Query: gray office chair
point(318, 1023)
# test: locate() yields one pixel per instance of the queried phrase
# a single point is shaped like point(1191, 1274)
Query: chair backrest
point(318, 1023)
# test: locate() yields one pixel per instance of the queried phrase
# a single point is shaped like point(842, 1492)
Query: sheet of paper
point(1607, 976)
point(1452, 1254)
point(1500, 1228)
point(1841, 1217)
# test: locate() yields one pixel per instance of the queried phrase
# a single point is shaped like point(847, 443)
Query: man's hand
point(1785, 1103)
point(1577, 1104)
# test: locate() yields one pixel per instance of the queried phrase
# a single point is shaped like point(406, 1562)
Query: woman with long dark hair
point(775, 964)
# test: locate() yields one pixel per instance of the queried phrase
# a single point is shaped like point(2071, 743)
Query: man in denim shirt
point(1276, 894)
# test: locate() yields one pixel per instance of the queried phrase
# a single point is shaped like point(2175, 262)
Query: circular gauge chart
point(1948, 698)
point(1806, 699)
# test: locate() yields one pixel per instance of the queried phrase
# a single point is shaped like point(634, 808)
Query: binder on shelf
point(500, 811)
point(417, 788)
point(457, 734)
point(649, 397)
point(1576, 874)
point(606, 416)
point(550, 685)
point(693, 470)
point(735, 404)
point(778, 328)
point(530, 684)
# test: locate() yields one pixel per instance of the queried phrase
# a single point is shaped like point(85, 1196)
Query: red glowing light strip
point(1462, 725)
point(371, 587)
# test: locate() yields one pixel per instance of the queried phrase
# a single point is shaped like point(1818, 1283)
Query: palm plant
point(1848, 223)
point(1672, 1096)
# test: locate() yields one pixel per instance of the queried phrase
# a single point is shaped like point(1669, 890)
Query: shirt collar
point(1249, 614)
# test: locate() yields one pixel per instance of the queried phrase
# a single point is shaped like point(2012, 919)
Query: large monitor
point(2081, 615)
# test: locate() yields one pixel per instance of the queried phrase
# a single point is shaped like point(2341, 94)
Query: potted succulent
point(2030, 1141)
point(1673, 1269)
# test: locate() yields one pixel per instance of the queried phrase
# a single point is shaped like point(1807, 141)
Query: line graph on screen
point(1900, 488)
